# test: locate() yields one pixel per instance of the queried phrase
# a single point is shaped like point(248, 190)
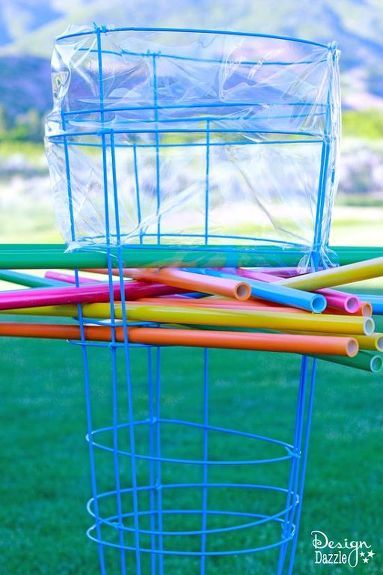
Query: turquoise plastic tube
point(28, 280)
point(308, 301)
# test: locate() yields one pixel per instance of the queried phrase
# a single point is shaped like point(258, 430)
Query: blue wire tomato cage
point(167, 498)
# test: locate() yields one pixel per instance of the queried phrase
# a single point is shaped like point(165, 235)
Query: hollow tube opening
point(369, 326)
point(366, 309)
point(352, 304)
point(243, 291)
point(352, 348)
point(379, 343)
point(376, 364)
point(318, 304)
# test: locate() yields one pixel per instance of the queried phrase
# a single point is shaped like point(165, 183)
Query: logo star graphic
point(365, 560)
point(371, 553)
point(362, 553)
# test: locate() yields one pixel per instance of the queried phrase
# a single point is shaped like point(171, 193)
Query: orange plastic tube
point(316, 344)
point(193, 282)
point(53, 331)
point(364, 310)
point(241, 340)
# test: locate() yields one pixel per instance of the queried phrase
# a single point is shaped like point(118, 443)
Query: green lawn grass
point(44, 458)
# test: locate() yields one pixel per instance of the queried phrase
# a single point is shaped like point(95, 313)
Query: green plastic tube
point(43, 256)
point(40, 256)
point(352, 254)
point(372, 362)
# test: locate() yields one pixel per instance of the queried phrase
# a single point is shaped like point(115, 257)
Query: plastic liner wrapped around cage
point(177, 139)
point(195, 137)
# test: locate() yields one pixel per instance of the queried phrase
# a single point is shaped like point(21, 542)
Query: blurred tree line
point(24, 127)
point(366, 124)
point(29, 125)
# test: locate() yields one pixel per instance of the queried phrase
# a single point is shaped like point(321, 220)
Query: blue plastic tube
point(375, 300)
point(308, 301)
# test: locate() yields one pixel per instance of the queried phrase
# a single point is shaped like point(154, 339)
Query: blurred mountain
point(28, 29)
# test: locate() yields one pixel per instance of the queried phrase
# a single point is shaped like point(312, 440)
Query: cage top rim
point(106, 29)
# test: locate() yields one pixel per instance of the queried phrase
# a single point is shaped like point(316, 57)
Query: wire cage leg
point(298, 465)
point(173, 491)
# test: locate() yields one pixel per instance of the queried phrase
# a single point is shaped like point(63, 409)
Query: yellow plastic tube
point(373, 342)
point(259, 319)
point(66, 310)
point(337, 276)
point(252, 319)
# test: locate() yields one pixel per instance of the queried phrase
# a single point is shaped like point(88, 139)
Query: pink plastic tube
point(70, 279)
point(335, 299)
point(84, 294)
point(341, 300)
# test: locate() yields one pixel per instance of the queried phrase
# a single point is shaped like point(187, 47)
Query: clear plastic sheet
point(193, 138)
